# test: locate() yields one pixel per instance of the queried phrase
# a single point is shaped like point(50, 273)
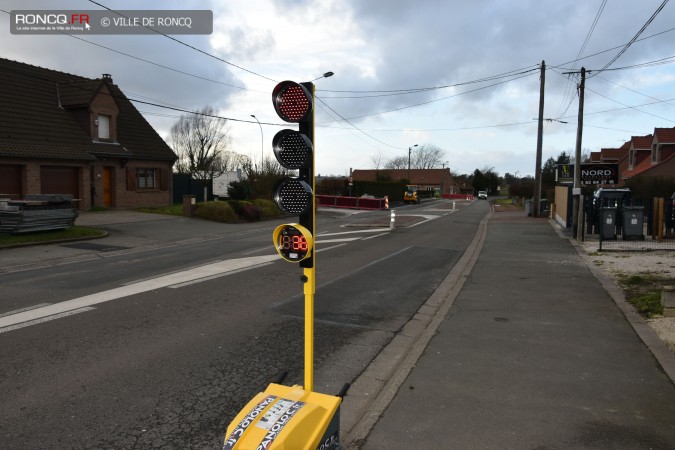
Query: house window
point(103, 126)
point(631, 159)
point(655, 153)
point(145, 179)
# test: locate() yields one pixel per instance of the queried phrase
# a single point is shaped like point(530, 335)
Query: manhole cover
point(94, 247)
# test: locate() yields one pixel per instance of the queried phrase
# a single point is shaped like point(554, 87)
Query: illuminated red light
point(292, 101)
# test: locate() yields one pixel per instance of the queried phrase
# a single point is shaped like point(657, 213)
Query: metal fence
point(630, 224)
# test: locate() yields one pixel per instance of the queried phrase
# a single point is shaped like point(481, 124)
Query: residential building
point(427, 179)
point(66, 134)
point(649, 155)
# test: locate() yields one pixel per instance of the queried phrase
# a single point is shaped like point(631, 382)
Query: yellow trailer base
point(286, 418)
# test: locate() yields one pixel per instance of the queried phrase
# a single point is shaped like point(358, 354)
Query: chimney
point(107, 77)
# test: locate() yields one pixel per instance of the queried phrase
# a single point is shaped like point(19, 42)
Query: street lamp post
point(409, 152)
point(262, 143)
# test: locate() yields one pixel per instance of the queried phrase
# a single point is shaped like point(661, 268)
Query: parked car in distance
point(482, 195)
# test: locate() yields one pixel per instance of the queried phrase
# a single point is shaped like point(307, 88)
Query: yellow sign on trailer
point(286, 417)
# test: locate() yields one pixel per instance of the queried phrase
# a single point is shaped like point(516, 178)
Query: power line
point(357, 128)
point(138, 58)
point(191, 46)
point(656, 62)
point(637, 35)
point(621, 109)
point(385, 93)
point(157, 64)
point(442, 98)
point(124, 97)
point(629, 89)
point(627, 106)
point(581, 50)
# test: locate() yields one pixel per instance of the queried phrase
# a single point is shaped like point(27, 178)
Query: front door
point(107, 187)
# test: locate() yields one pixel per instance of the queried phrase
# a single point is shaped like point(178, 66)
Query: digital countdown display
point(293, 242)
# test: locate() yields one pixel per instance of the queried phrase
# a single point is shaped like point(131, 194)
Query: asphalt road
point(173, 340)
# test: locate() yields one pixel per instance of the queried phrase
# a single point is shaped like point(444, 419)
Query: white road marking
point(44, 319)
point(202, 272)
point(213, 277)
point(370, 230)
point(377, 235)
point(16, 311)
point(328, 241)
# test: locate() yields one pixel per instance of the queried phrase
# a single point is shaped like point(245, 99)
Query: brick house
point(426, 179)
point(66, 134)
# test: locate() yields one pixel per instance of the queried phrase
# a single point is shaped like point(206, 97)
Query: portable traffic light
point(293, 417)
point(294, 150)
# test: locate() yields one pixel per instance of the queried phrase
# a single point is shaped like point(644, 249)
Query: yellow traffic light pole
point(310, 282)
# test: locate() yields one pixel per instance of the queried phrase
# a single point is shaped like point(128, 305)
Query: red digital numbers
point(296, 243)
point(293, 242)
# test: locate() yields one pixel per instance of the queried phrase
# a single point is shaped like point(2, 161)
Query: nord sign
point(591, 174)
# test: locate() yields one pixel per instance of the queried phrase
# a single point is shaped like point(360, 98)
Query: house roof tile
point(612, 154)
point(38, 120)
point(644, 165)
point(665, 135)
point(419, 176)
point(642, 142)
point(77, 93)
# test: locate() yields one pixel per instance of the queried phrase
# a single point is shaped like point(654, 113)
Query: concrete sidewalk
point(533, 353)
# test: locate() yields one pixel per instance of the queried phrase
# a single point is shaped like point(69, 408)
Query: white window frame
point(103, 126)
point(146, 178)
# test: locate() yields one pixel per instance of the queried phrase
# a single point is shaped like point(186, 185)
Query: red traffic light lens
point(292, 149)
point(292, 101)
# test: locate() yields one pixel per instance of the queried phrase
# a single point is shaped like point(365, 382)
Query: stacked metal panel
point(37, 213)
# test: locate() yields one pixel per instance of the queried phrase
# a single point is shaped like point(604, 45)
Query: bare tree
point(201, 140)
point(378, 160)
point(427, 156)
point(400, 162)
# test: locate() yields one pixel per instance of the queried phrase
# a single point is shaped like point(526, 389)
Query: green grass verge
point(643, 291)
point(74, 232)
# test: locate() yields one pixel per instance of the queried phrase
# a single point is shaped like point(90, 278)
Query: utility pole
point(576, 192)
point(540, 138)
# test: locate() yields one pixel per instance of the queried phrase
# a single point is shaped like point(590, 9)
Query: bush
point(245, 210)
point(216, 211)
point(233, 211)
point(268, 208)
point(237, 206)
point(250, 213)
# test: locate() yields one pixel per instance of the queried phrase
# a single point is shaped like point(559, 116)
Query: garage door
point(60, 180)
point(10, 180)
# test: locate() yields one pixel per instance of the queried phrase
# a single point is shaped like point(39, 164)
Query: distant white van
point(221, 183)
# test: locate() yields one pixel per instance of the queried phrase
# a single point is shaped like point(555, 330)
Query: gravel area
point(622, 263)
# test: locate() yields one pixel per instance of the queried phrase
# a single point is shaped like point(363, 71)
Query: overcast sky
point(393, 45)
